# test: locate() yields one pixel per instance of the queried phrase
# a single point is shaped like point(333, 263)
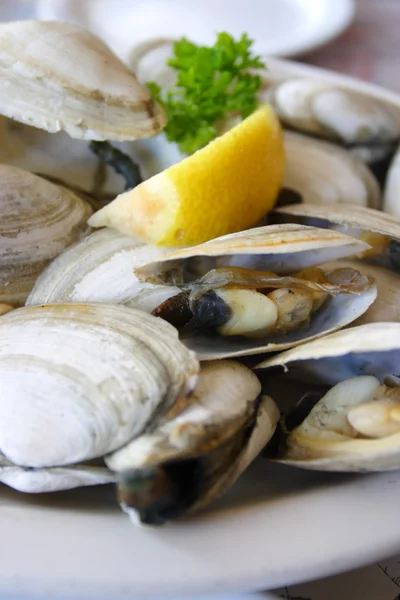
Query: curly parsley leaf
point(212, 83)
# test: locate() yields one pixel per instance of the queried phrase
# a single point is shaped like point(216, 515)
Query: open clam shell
point(195, 457)
point(99, 268)
point(38, 220)
point(79, 381)
point(282, 249)
point(354, 426)
point(57, 76)
point(381, 262)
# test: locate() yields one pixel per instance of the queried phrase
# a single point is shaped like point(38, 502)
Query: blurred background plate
point(279, 27)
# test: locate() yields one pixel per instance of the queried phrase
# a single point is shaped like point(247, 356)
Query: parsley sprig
point(212, 84)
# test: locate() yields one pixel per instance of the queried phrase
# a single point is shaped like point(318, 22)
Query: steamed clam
point(391, 201)
point(183, 464)
point(348, 414)
point(331, 111)
point(56, 76)
point(78, 382)
point(99, 268)
point(38, 220)
point(381, 261)
point(259, 290)
point(308, 161)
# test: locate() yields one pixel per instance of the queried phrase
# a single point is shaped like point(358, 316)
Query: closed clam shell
point(79, 381)
point(367, 350)
point(38, 220)
point(99, 268)
point(56, 76)
point(279, 248)
point(203, 450)
point(308, 161)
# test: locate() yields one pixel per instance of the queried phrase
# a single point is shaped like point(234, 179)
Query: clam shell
point(79, 381)
point(372, 349)
point(391, 200)
point(278, 248)
point(387, 304)
point(206, 441)
point(308, 161)
point(38, 220)
point(56, 76)
point(356, 217)
point(38, 481)
point(99, 268)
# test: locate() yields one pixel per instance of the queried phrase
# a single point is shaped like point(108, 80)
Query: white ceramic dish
point(279, 27)
point(277, 526)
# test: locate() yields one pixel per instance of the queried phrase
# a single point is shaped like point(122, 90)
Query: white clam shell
point(308, 161)
point(372, 349)
point(352, 217)
point(224, 398)
point(37, 481)
point(387, 304)
point(38, 220)
point(100, 269)
point(278, 248)
point(79, 381)
point(391, 194)
point(226, 401)
point(56, 76)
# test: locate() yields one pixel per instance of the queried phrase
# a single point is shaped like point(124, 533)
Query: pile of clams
point(163, 371)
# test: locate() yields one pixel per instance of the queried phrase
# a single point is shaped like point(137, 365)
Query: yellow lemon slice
point(227, 186)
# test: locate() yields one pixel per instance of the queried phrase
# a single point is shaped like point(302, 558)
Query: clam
point(381, 261)
point(57, 76)
point(380, 230)
point(351, 421)
point(81, 381)
point(99, 268)
point(332, 111)
point(38, 220)
point(391, 200)
point(323, 173)
point(258, 291)
point(188, 461)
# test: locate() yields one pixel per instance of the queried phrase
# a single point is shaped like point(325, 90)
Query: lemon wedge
point(225, 187)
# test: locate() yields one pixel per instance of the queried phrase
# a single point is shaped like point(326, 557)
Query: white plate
point(279, 27)
point(277, 526)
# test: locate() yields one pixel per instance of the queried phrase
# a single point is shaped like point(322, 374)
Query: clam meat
point(347, 417)
point(260, 290)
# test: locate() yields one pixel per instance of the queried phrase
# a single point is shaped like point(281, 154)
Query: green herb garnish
point(212, 85)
